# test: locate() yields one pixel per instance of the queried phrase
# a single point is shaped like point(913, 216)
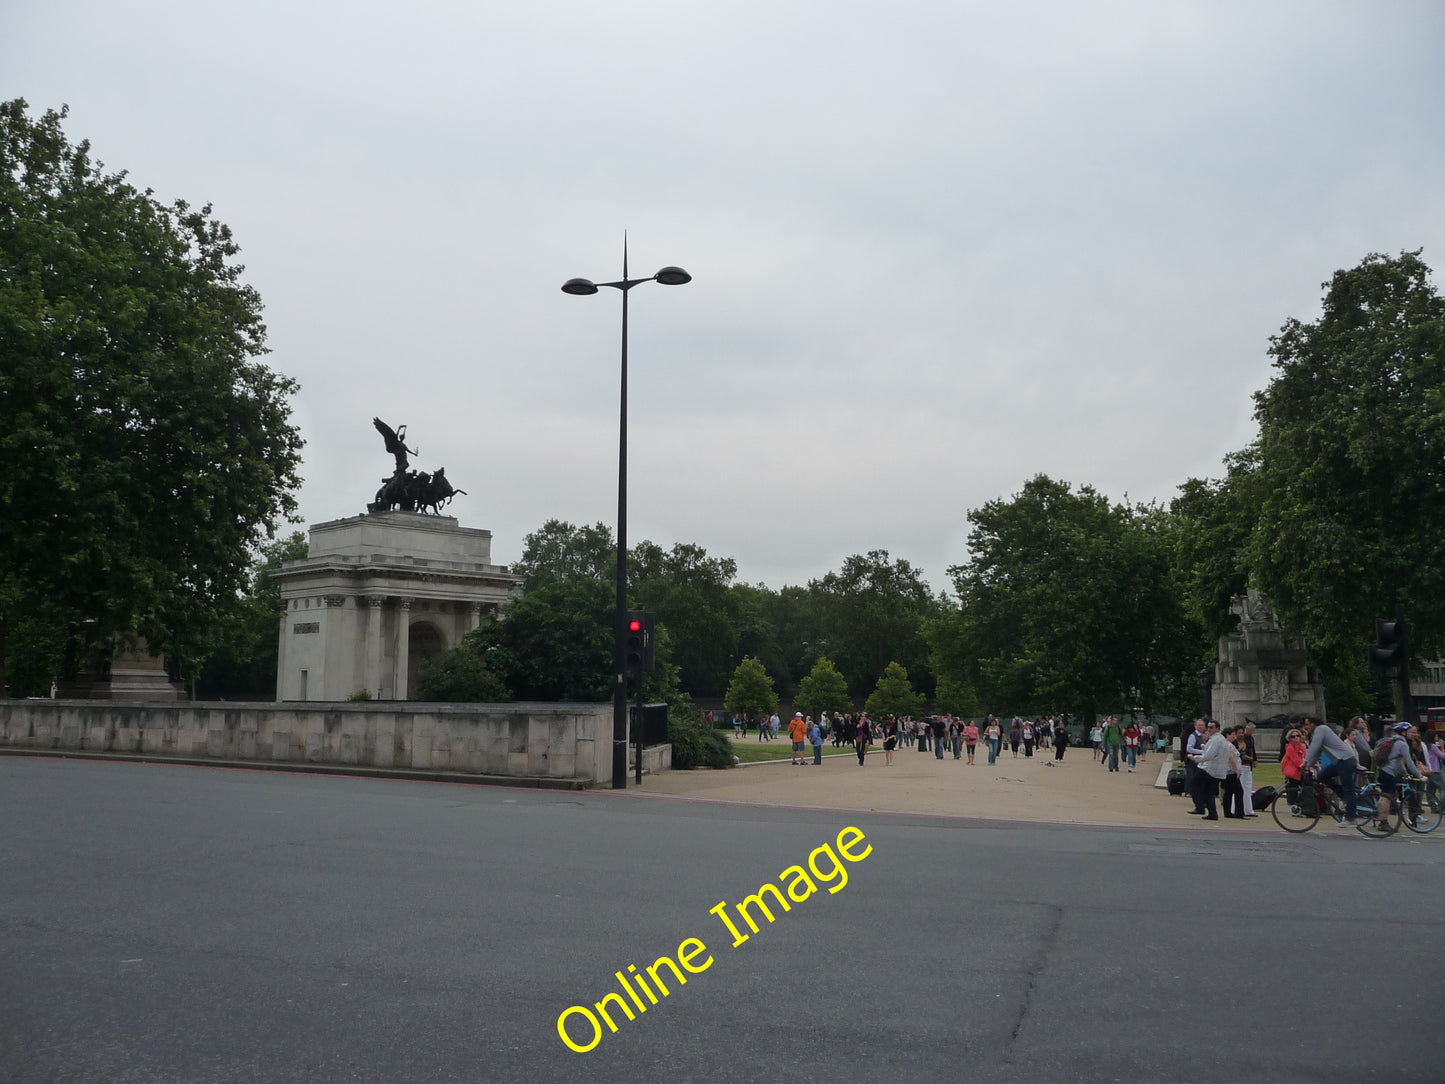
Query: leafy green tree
point(872, 611)
point(689, 592)
point(756, 622)
point(461, 676)
point(751, 690)
point(34, 650)
point(824, 689)
point(1351, 515)
point(1212, 524)
point(561, 551)
point(1069, 603)
point(145, 453)
point(894, 694)
point(556, 642)
point(243, 664)
point(955, 697)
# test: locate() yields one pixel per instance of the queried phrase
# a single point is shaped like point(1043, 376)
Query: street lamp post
point(668, 276)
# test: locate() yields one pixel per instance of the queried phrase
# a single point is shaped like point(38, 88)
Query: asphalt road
point(163, 923)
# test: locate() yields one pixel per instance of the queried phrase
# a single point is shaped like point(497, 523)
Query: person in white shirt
point(1213, 764)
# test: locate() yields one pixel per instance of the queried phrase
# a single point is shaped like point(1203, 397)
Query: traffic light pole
point(1404, 703)
point(619, 693)
point(668, 276)
point(1392, 649)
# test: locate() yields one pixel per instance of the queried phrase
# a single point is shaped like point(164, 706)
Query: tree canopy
point(1350, 461)
point(751, 690)
point(872, 611)
point(894, 695)
point(1068, 602)
point(145, 452)
point(243, 665)
point(824, 689)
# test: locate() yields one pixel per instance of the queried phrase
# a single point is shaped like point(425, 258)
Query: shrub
point(695, 745)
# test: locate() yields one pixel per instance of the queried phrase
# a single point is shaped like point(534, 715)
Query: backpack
point(1381, 751)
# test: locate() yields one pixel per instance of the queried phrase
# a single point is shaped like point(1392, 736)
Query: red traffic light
point(634, 625)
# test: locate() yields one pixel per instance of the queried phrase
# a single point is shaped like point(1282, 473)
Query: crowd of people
point(1220, 761)
point(942, 735)
point(1338, 759)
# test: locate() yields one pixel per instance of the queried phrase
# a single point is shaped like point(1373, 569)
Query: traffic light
point(640, 654)
point(1389, 649)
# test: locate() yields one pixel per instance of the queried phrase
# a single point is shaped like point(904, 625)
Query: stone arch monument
point(378, 596)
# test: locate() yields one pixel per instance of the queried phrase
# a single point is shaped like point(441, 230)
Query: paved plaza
point(1076, 791)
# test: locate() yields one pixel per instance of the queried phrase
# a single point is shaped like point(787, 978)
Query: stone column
point(372, 679)
point(403, 647)
point(282, 640)
point(474, 615)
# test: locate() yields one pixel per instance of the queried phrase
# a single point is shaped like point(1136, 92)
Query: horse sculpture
point(409, 490)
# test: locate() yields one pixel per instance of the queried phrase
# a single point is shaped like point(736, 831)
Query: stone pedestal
point(1259, 676)
point(134, 674)
point(376, 598)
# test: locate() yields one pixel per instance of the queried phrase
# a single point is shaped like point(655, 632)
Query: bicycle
point(1409, 808)
point(1299, 807)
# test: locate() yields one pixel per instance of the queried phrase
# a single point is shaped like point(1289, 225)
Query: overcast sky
point(937, 247)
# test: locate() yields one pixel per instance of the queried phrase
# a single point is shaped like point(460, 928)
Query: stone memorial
point(379, 595)
point(1260, 676)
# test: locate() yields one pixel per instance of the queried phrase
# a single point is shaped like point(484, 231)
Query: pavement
point(1077, 790)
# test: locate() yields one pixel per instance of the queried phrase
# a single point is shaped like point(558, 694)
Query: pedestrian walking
point(1113, 741)
point(862, 738)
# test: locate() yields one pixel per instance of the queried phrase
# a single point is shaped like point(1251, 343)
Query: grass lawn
point(1268, 774)
point(749, 750)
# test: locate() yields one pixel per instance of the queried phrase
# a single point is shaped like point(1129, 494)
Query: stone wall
point(546, 742)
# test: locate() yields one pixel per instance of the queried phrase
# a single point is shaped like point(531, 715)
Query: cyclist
point(1340, 772)
point(1399, 764)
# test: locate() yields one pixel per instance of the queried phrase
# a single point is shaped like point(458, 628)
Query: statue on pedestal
point(409, 490)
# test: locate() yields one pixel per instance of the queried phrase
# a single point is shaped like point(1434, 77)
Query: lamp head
point(671, 276)
point(579, 286)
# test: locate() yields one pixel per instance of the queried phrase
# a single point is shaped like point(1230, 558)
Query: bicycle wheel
point(1370, 823)
point(1419, 817)
point(1294, 818)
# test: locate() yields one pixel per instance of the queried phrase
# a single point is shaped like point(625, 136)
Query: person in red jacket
point(1292, 764)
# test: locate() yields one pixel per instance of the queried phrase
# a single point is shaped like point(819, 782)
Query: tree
point(145, 453)
point(1351, 517)
point(1067, 602)
point(751, 690)
point(243, 664)
point(461, 676)
point(824, 689)
point(1212, 524)
point(955, 697)
point(894, 694)
point(689, 592)
point(756, 621)
point(556, 642)
point(872, 611)
point(560, 551)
